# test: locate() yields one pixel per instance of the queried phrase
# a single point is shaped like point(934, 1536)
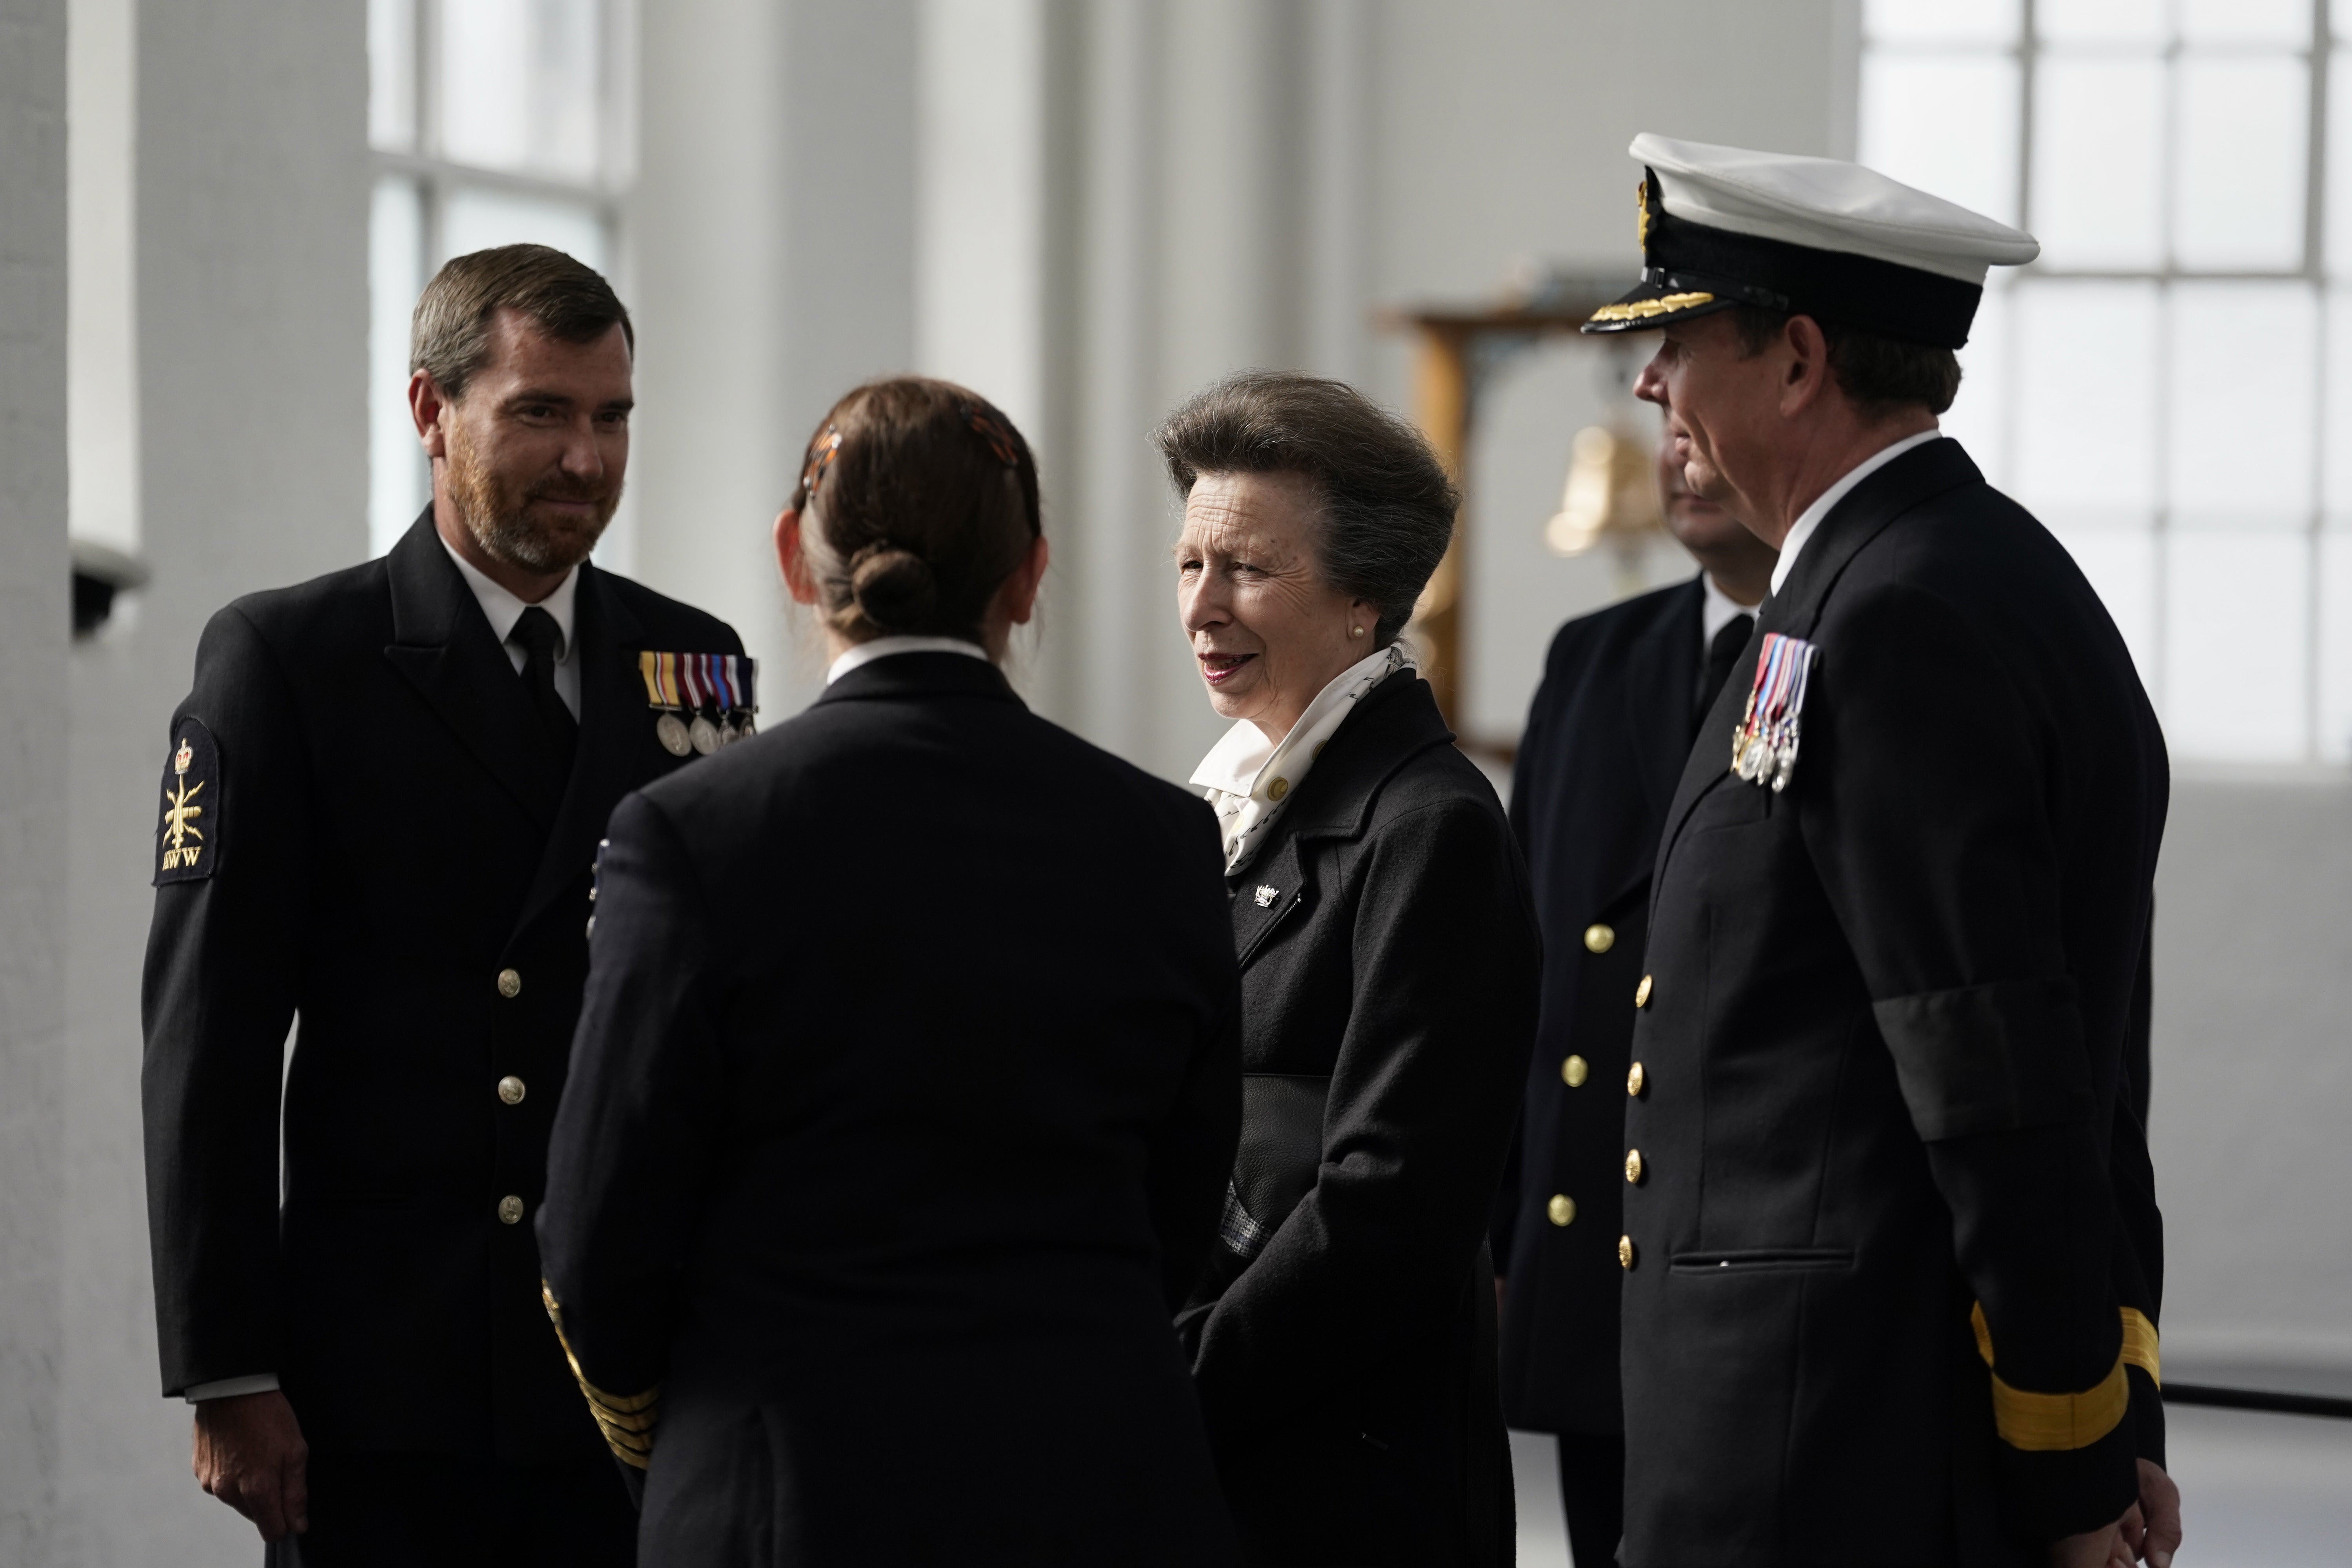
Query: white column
point(775, 243)
point(247, 243)
point(33, 620)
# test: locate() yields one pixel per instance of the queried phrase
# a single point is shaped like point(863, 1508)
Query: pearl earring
point(1355, 631)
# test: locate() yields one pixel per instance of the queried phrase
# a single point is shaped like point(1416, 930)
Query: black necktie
point(1721, 655)
point(536, 633)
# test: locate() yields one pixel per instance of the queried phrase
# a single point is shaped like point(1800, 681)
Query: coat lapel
point(442, 645)
point(1919, 475)
point(1662, 670)
point(608, 761)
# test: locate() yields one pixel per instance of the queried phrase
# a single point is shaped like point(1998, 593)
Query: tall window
point(2170, 388)
point(493, 121)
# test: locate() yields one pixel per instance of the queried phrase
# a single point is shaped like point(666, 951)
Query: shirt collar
point(1234, 763)
point(1717, 610)
point(503, 609)
point(866, 652)
point(1811, 517)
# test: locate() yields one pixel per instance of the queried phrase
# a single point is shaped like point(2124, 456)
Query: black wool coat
point(1348, 1371)
point(1606, 738)
point(1894, 1250)
point(387, 834)
point(899, 1119)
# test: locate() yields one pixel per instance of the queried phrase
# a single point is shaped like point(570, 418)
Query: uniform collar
point(503, 609)
point(1811, 517)
point(1717, 610)
point(866, 652)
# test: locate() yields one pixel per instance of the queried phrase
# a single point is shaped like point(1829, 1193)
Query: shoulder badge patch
point(187, 838)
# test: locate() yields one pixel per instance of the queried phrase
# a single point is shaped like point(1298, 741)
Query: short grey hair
point(1389, 508)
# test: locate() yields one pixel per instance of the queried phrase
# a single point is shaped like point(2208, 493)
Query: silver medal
point(670, 731)
point(704, 735)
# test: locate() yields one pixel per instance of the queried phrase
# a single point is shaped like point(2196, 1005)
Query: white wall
point(33, 712)
point(250, 264)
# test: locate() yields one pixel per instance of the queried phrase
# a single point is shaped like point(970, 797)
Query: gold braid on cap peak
point(1642, 310)
point(627, 1421)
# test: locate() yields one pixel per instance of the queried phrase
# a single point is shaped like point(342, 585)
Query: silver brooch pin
point(1265, 896)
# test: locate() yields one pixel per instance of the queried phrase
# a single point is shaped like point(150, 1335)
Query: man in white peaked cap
point(1891, 1246)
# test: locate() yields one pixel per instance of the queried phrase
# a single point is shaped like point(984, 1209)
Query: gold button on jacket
point(1561, 1209)
point(510, 1090)
point(1635, 1079)
point(1625, 1252)
point(510, 1210)
point(510, 983)
point(1634, 1166)
point(1574, 1071)
point(1642, 993)
point(1598, 938)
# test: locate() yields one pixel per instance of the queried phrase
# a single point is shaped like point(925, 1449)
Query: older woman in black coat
point(1343, 1335)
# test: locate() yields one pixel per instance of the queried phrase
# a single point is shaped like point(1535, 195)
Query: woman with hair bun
point(908, 1077)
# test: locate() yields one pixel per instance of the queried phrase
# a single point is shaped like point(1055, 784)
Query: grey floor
point(2257, 1491)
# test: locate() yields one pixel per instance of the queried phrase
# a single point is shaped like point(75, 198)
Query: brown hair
point(1880, 376)
point(1387, 507)
point(916, 498)
point(449, 336)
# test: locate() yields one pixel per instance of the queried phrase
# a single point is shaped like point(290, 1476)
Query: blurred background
point(215, 214)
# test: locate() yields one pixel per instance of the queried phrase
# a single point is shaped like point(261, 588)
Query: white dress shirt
point(1811, 517)
point(1247, 777)
point(866, 652)
point(503, 610)
point(1716, 612)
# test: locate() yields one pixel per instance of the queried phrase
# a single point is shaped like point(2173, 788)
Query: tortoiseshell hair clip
point(991, 427)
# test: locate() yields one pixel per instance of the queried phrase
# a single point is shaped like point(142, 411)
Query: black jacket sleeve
point(1422, 1104)
point(630, 1155)
point(222, 979)
point(1942, 867)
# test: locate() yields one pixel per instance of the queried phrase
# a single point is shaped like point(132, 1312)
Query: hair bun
point(893, 586)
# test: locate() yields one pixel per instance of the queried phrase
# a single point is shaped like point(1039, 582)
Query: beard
point(502, 514)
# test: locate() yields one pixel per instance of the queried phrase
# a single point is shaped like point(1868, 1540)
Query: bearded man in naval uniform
point(1891, 1246)
point(381, 804)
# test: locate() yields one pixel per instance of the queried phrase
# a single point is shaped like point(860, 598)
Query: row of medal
point(704, 702)
point(1764, 747)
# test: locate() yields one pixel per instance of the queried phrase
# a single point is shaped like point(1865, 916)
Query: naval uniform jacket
point(1605, 742)
point(1893, 1246)
point(1348, 1371)
point(900, 1114)
point(388, 836)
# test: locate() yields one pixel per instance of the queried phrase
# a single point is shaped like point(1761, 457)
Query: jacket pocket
point(1762, 1260)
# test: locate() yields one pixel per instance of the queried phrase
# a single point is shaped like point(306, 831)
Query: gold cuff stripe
point(2053, 1423)
point(626, 1421)
point(2140, 1348)
point(1642, 310)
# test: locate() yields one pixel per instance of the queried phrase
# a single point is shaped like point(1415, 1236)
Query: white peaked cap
point(1828, 205)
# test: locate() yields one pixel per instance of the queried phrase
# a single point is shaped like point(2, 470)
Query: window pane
point(1975, 418)
point(2120, 562)
point(1979, 21)
point(2335, 736)
point(2086, 387)
point(2239, 191)
point(392, 75)
point(477, 219)
point(2069, 21)
point(2098, 131)
point(397, 476)
point(519, 82)
point(2234, 21)
point(2234, 660)
point(1947, 125)
point(2245, 381)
